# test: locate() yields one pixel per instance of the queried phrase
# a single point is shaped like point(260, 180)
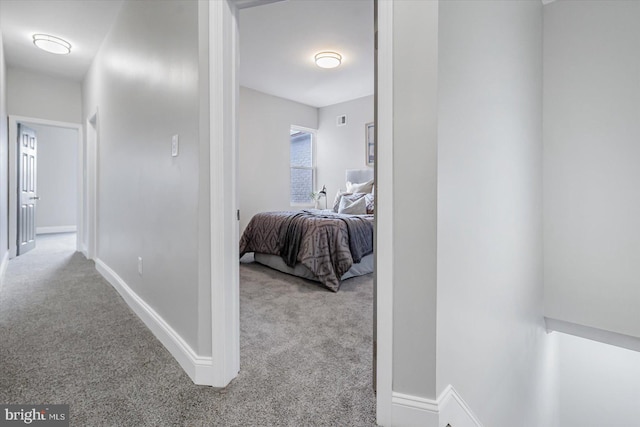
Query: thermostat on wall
point(341, 120)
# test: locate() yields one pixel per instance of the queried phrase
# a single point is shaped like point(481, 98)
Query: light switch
point(175, 141)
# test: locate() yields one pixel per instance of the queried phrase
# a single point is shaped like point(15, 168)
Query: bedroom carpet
point(66, 336)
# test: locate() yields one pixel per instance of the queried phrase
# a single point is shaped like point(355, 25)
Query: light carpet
point(66, 336)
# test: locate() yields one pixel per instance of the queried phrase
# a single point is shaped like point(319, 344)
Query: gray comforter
point(328, 244)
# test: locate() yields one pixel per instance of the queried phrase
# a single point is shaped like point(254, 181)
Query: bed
point(320, 245)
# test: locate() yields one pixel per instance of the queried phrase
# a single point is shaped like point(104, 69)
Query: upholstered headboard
point(359, 175)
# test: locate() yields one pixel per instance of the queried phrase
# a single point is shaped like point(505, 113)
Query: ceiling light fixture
point(328, 59)
point(52, 44)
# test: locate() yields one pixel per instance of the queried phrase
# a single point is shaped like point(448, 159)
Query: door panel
point(27, 196)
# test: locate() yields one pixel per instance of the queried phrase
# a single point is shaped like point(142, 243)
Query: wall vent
point(341, 120)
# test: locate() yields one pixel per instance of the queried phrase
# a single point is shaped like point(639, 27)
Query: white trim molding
point(199, 368)
point(223, 98)
point(448, 409)
point(407, 410)
point(3, 267)
point(57, 229)
point(415, 402)
point(89, 232)
point(455, 411)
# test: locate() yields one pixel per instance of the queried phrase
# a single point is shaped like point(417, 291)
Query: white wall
point(341, 147)
point(263, 165)
point(598, 383)
point(415, 109)
point(145, 85)
point(40, 96)
point(265, 121)
point(491, 338)
point(4, 154)
point(57, 177)
point(591, 173)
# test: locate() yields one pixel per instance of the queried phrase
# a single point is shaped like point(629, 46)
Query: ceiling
point(82, 23)
point(277, 43)
point(279, 40)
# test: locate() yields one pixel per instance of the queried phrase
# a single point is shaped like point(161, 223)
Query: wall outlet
point(175, 142)
point(140, 265)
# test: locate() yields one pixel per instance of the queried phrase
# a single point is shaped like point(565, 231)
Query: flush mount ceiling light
point(52, 44)
point(328, 59)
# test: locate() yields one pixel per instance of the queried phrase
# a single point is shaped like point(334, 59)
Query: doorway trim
point(384, 212)
point(223, 91)
point(89, 167)
point(223, 108)
point(13, 177)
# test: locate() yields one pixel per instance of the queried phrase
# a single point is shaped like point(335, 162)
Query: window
point(301, 165)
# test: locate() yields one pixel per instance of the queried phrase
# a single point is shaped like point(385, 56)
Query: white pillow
point(364, 187)
point(358, 207)
point(336, 201)
point(352, 197)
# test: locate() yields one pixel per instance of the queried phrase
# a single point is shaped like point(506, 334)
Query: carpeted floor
point(66, 336)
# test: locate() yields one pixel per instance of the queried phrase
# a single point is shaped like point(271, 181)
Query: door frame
point(89, 176)
point(223, 92)
point(384, 211)
point(13, 177)
point(223, 161)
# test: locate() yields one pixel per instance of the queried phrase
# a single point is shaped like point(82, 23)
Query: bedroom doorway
point(59, 180)
point(264, 183)
point(223, 75)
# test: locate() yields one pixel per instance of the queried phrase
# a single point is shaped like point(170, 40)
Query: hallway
point(68, 338)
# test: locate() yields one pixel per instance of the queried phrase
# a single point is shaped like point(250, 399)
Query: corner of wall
point(448, 409)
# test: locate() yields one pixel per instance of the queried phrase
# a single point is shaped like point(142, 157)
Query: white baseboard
point(199, 368)
point(57, 229)
point(3, 267)
point(410, 411)
point(448, 408)
point(455, 411)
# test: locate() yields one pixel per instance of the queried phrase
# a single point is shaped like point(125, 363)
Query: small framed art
point(370, 144)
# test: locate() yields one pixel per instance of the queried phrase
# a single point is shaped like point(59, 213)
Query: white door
point(27, 156)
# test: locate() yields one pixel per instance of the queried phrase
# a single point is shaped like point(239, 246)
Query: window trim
point(313, 167)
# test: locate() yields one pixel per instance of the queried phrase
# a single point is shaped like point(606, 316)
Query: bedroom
point(284, 95)
point(280, 86)
point(282, 90)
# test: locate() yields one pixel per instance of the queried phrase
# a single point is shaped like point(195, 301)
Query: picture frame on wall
point(370, 144)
